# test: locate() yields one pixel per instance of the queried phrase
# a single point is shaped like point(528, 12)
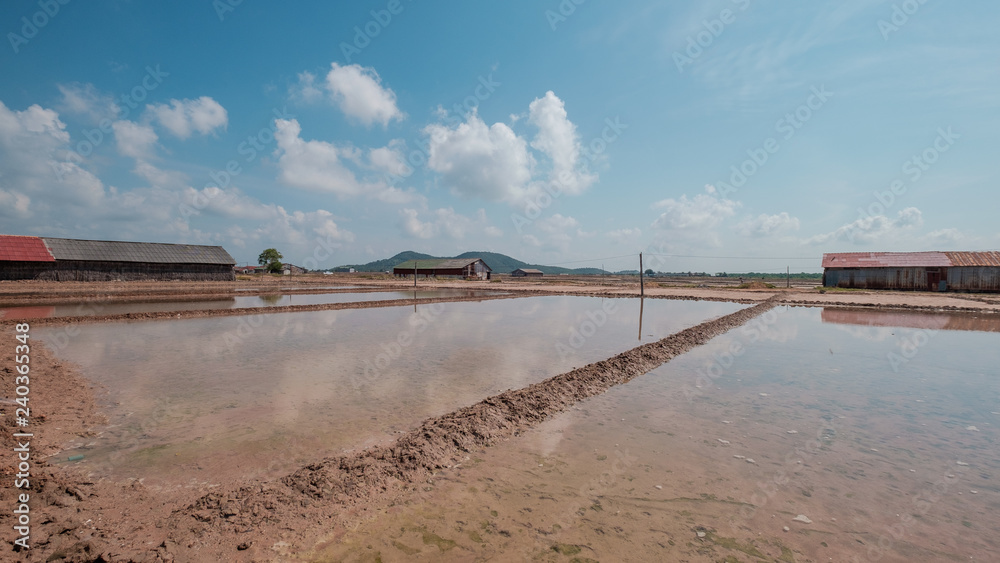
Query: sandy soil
point(77, 518)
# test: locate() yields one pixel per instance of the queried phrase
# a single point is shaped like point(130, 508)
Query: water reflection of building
point(27, 312)
point(913, 319)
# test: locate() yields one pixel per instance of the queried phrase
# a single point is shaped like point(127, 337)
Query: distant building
point(46, 258)
point(467, 268)
point(289, 269)
point(526, 273)
point(915, 271)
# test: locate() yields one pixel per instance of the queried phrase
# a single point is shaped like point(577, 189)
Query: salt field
point(797, 437)
point(206, 400)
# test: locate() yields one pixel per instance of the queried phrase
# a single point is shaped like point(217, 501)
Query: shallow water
point(209, 399)
point(91, 308)
point(883, 437)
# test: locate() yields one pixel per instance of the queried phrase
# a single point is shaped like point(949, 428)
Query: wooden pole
point(788, 277)
point(642, 289)
point(414, 275)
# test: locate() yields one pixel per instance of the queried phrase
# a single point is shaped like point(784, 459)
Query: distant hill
point(500, 263)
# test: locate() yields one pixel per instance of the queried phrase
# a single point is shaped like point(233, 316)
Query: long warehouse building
point(46, 258)
point(914, 271)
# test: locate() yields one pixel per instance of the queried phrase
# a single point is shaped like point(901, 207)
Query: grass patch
point(566, 549)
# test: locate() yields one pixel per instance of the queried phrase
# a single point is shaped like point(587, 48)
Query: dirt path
point(78, 519)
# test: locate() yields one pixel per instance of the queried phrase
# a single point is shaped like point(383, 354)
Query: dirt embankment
point(61, 407)
point(75, 518)
point(312, 494)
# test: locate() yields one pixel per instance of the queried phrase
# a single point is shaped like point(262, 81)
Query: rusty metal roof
point(910, 259)
point(990, 258)
point(24, 249)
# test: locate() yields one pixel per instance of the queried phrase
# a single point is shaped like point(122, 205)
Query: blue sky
point(725, 135)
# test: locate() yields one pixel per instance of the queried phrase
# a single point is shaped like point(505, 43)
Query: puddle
point(206, 400)
point(91, 308)
point(883, 437)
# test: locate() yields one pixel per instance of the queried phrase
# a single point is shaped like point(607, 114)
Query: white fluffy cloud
point(36, 173)
point(873, 228)
point(768, 225)
point(619, 236)
point(314, 165)
point(86, 100)
point(134, 139)
point(494, 163)
point(445, 222)
point(390, 159)
point(358, 92)
point(476, 160)
point(558, 139)
point(184, 117)
point(47, 189)
point(700, 213)
point(306, 89)
point(559, 231)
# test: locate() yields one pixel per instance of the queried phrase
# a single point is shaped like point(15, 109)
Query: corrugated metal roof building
point(527, 272)
point(915, 271)
point(445, 267)
point(100, 260)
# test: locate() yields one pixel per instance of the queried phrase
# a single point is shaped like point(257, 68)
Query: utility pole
point(414, 273)
point(788, 277)
point(642, 290)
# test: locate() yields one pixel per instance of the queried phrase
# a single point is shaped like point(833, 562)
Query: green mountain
point(500, 263)
point(387, 264)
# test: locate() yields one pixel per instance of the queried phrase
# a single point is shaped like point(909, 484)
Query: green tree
point(649, 272)
point(271, 260)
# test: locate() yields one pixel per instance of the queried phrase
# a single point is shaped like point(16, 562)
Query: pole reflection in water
point(642, 301)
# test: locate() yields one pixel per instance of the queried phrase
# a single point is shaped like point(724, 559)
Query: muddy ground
point(75, 517)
